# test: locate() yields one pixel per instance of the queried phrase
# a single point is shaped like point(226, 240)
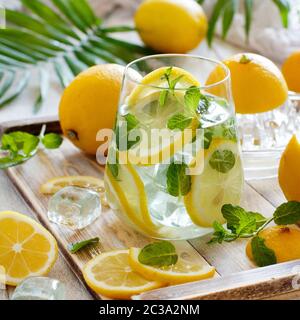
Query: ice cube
point(39, 288)
point(74, 207)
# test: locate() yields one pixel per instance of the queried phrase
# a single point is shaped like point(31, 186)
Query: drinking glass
point(174, 159)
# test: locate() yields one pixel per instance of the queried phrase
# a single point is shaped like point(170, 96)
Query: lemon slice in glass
point(220, 182)
point(144, 103)
point(110, 274)
point(130, 197)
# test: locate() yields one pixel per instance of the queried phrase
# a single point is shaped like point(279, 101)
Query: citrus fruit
point(220, 182)
point(188, 268)
point(55, 184)
point(257, 84)
point(110, 274)
point(289, 173)
point(127, 191)
point(90, 103)
point(171, 25)
point(26, 248)
point(283, 240)
point(143, 103)
point(291, 71)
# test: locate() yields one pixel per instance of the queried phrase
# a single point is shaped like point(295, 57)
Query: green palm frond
point(226, 10)
point(67, 35)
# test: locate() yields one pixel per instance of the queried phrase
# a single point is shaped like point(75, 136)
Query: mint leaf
point(158, 254)
point(287, 213)
point(163, 97)
point(129, 123)
point(203, 104)
point(221, 234)
point(240, 221)
point(178, 182)
point(208, 136)
point(222, 160)
point(21, 142)
point(52, 140)
point(192, 98)
point(172, 83)
point(75, 247)
point(262, 255)
point(179, 121)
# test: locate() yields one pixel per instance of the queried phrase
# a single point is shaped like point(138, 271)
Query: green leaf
point(284, 9)
point(16, 55)
point(208, 136)
point(50, 16)
point(248, 4)
point(158, 254)
point(44, 86)
point(64, 75)
point(85, 12)
point(175, 81)
point(222, 160)
point(132, 121)
point(7, 82)
point(75, 247)
point(262, 255)
point(75, 65)
point(118, 29)
point(123, 129)
point(114, 169)
point(22, 84)
point(192, 98)
point(221, 234)
point(229, 12)
point(287, 213)
point(240, 221)
point(179, 121)
point(178, 182)
point(9, 161)
point(113, 163)
point(52, 140)
point(217, 12)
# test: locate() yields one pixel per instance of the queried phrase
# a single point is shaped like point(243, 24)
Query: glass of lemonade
point(174, 159)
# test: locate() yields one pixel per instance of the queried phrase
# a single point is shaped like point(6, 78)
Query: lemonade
point(174, 160)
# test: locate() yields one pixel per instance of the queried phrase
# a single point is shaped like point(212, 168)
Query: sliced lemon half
point(188, 268)
point(110, 274)
point(158, 143)
point(127, 192)
point(220, 182)
point(55, 184)
point(26, 248)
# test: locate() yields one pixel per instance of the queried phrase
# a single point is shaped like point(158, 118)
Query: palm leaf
point(68, 35)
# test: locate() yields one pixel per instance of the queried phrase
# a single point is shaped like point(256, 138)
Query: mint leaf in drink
point(179, 121)
point(52, 140)
point(262, 255)
point(287, 213)
point(158, 254)
point(75, 247)
point(221, 234)
point(192, 98)
point(240, 221)
point(178, 182)
point(222, 160)
point(127, 124)
point(163, 97)
point(208, 136)
point(172, 83)
point(203, 104)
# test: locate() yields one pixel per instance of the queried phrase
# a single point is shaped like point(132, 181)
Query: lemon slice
point(55, 184)
point(144, 104)
point(110, 274)
point(128, 193)
point(188, 268)
point(26, 248)
point(220, 182)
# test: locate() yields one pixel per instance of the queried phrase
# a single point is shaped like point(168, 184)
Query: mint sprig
point(179, 121)
point(158, 254)
point(248, 224)
point(222, 160)
point(19, 146)
point(178, 182)
point(77, 246)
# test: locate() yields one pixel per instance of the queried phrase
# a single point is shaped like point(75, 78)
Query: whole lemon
point(171, 25)
point(283, 240)
point(257, 84)
point(89, 104)
point(291, 71)
point(289, 173)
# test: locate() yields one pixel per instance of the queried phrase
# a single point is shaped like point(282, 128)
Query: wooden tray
point(236, 277)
